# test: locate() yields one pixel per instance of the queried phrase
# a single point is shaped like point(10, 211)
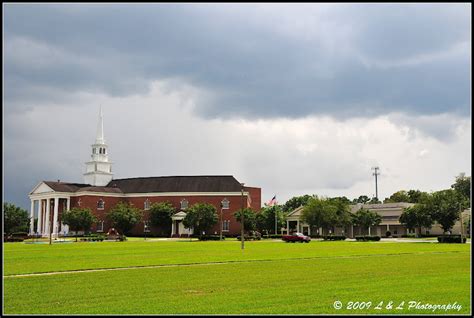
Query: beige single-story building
point(390, 213)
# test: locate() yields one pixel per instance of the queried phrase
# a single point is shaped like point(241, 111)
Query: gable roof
point(154, 184)
point(177, 184)
point(65, 186)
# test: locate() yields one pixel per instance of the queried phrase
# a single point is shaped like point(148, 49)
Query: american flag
point(273, 201)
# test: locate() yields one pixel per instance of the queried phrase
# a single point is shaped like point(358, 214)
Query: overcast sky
point(293, 98)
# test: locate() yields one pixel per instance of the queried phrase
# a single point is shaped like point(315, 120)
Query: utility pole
point(242, 216)
point(376, 173)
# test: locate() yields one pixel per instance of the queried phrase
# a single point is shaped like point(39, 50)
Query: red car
point(296, 237)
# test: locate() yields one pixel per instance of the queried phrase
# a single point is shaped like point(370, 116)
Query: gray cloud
point(293, 98)
point(255, 60)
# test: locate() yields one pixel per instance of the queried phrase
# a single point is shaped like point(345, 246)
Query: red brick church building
point(100, 192)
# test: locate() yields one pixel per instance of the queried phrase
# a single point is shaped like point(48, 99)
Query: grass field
point(268, 277)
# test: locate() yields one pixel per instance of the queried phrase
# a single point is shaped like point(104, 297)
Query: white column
point(287, 227)
point(47, 219)
point(369, 230)
point(309, 230)
point(55, 217)
point(68, 207)
point(39, 226)
point(298, 226)
point(172, 228)
point(32, 217)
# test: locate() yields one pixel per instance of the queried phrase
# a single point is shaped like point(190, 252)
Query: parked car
point(296, 237)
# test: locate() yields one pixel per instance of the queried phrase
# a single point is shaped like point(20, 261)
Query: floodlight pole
point(242, 216)
point(376, 173)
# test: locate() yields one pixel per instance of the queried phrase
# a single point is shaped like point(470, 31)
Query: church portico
point(48, 213)
point(177, 226)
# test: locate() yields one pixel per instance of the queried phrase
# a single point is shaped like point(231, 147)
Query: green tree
point(15, 219)
point(342, 216)
point(417, 216)
point(265, 220)
point(295, 202)
point(250, 220)
point(366, 219)
point(78, 219)
point(160, 215)
point(200, 217)
point(319, 213)
point(374, 200)
point(361, 199)
point(417, 196)
point(445, 206)
point(399, 196)
point(462, 186)
point(124, 216)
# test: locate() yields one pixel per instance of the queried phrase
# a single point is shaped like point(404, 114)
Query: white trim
point(38, 185)
point(132, 195)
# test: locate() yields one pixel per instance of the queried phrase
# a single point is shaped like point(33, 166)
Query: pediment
point(42, 188)
point(178, 216)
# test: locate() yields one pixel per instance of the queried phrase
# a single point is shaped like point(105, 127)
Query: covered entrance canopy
point(177, 226)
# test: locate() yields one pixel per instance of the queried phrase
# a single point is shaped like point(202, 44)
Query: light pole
point(242, 215)
point(376, 173)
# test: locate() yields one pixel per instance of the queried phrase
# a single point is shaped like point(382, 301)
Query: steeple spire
point(100, 128)
point(99, 168)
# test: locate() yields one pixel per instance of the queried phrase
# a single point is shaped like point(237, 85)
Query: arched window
point(100, 204)
point(225, 204)
point(147, 204)
point(184, 204)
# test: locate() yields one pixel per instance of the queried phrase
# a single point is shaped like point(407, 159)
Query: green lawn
point(267, 277)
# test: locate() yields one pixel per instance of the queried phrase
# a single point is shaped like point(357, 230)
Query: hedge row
point(272, 236)
point(451, 239)
point(367, 238)
point(334, 238)
point(249, 238)
point(211, 237)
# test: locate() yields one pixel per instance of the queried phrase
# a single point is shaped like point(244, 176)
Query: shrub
point(273, 236)
point(334, 238)
point(451, 239)
point(388, 234)
point(365, 238)
point(211, 237)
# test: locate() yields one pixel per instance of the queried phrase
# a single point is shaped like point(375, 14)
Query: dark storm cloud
point(263, 61)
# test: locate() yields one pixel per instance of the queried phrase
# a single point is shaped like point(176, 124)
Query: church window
point(226, 226)
point(184, 204)
point(100, 226)
point(225, 204)
point(100, 204)
point(93, 150)
point(147, 204)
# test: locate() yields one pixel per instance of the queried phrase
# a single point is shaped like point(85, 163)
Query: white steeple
point(99, 169)
point(100, 129)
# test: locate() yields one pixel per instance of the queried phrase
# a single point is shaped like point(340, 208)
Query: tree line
point(442, 207)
